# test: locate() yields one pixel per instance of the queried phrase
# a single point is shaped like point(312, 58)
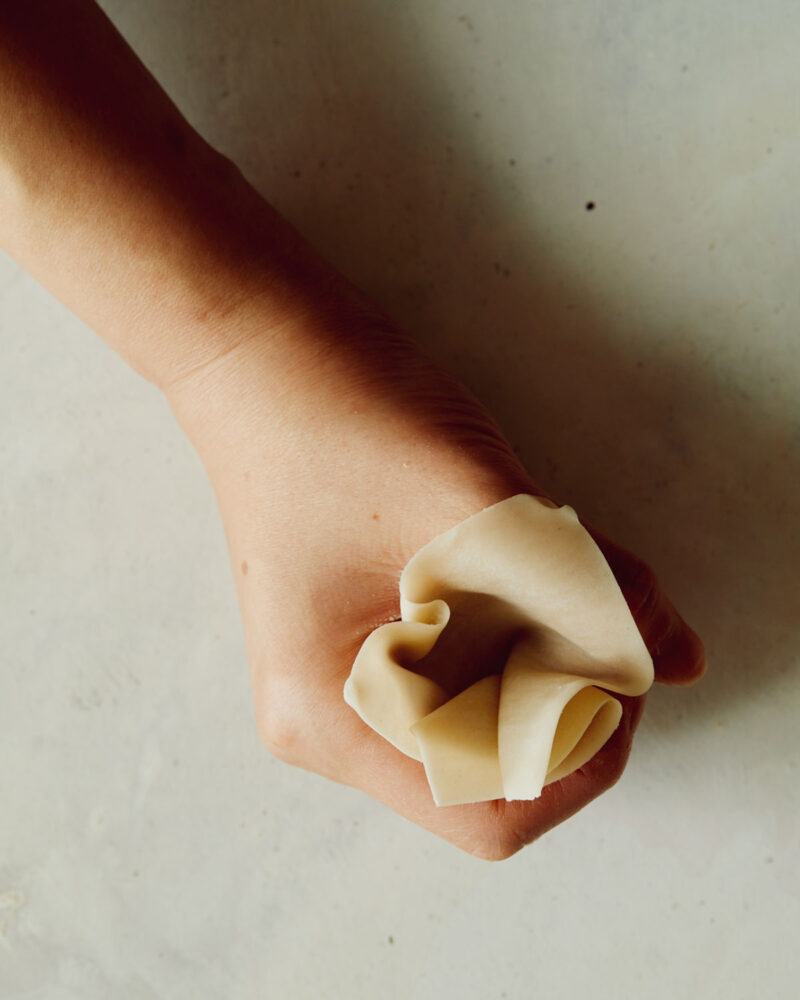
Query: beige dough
point(513, 633)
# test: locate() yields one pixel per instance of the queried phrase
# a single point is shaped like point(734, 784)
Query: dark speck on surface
point(589, 206)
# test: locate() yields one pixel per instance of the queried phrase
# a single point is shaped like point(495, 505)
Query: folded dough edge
point(529, 572)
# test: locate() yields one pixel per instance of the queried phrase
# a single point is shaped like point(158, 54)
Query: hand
point(326, 493)
point(335, 448)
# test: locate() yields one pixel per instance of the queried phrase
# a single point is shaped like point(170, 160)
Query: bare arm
point(117, 206)
point(336, 449)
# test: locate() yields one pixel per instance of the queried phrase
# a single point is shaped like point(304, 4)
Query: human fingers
point(497, 829)
point(316, 734)
point(678, 654)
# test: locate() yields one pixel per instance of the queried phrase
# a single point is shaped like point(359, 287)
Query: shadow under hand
point(340, 118)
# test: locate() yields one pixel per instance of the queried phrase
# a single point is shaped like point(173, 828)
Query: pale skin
point(335, 447)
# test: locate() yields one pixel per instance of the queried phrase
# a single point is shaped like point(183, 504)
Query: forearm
point(113, 202)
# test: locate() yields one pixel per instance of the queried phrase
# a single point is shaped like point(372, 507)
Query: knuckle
point(614, 770)
point(501, 833)
point(498, 850)
point(278, 725)
point(641, 590)
point(637, 580)
point(613, 763)
point(499, 846)
point(278, 735)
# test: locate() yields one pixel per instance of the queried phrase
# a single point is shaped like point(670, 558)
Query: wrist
point(157, 256)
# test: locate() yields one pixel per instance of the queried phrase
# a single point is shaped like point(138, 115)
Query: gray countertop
point(643, 357)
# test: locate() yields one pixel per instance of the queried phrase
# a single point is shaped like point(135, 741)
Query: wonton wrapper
point(512, 623)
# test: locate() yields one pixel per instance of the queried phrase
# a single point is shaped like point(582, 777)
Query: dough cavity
point(500, 676)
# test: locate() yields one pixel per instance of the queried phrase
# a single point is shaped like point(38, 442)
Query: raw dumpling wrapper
point(513, 632)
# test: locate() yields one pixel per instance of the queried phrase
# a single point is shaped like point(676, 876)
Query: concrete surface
point(643, 357)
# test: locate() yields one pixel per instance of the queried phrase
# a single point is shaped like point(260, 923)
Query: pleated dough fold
point(513, 632)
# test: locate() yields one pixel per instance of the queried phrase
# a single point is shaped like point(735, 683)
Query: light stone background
point(643, 358)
